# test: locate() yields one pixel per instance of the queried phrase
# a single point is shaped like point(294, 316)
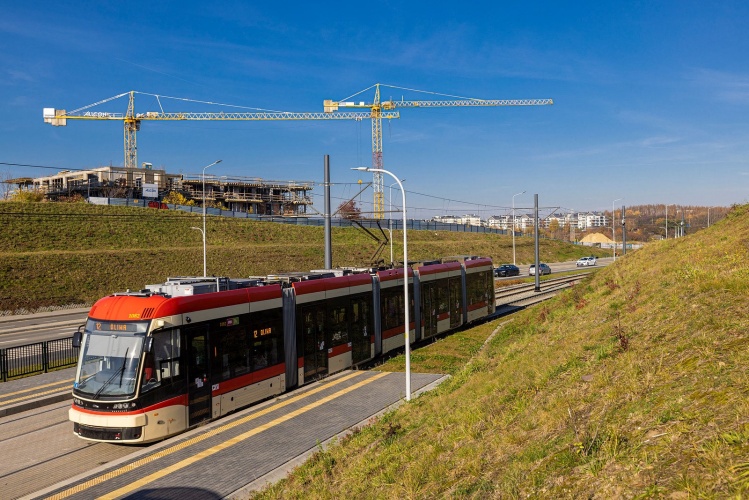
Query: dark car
point(506, 270)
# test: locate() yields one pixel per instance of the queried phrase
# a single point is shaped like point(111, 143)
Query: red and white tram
point(156, 362)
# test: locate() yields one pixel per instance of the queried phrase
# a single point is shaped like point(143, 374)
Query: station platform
point(241, 453)
point(35, 391)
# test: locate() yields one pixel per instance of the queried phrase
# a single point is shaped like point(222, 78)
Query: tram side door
point(490, 300)
point(429, 309)
point(360, 332)
point(455, 297)
point(315, 347)
point(198, 376)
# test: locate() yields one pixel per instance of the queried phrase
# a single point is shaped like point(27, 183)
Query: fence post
point(3, 364)
point(45, 357)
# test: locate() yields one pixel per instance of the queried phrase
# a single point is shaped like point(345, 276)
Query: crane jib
point(157, 116)
point(376, 111)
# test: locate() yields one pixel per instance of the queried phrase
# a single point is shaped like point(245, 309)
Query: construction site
point(239, 194)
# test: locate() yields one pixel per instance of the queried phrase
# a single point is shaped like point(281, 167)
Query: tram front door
point(198, 377)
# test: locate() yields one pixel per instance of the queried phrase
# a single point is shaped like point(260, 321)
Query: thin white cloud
point(724, 86)
point(20, 76)
point(658, 141)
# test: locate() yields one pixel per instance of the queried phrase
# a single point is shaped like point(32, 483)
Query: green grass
point(631, 385)
point(58, 253)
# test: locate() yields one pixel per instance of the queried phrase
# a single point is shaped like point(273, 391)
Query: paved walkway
point(240, 453)
point(35, 391)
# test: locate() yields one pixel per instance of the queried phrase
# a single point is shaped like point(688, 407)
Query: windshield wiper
point(120, 372)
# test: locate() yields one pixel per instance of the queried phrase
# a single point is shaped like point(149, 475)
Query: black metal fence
point(39, 357)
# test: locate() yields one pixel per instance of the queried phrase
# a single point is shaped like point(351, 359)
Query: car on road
point(542, 269)
point(586, 261)
point(506, 270)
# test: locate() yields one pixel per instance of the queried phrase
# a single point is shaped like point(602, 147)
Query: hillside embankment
point(633, 384)
point(54, 254)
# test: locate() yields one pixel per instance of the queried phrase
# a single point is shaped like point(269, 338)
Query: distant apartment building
point(524, 221)
point(240, 194)
point(500, 222)
point(562, 220)
point(587, 220)
point(466, 220)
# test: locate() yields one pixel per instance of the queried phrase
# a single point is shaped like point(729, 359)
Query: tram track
point(525, 294)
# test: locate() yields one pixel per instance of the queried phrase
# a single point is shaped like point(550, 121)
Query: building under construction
point(240, 194)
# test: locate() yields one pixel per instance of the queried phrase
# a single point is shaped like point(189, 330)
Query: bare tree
point(349, 210)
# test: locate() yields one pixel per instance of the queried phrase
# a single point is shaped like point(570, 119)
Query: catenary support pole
point(535, 237)
point(328, 244)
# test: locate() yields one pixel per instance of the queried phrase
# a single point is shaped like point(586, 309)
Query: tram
point(167, 358)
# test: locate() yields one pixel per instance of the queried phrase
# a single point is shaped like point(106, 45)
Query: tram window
point(442, 298)
point(473, 288)
point(338, 323)
point(267, 338)
point(166, 353)
point(233, 352)
point(151, 377)
point(392, 309)
point(477, 287)
point(360, 322)
point(359, 308)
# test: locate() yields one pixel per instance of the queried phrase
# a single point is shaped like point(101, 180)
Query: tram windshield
point(110, 354)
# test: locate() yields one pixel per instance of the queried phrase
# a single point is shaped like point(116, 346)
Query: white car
point(586, 261)
point(542, 269)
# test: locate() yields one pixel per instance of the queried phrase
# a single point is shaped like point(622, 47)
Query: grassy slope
point(54, 253)
point(632, 385)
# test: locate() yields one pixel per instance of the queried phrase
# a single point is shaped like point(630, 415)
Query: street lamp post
point(203, 233)
point(205, 270)
point(390, 224)
point(405, 276)
point(613, 226)
point(513, 226)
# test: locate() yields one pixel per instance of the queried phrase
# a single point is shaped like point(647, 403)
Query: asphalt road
point(559, 267)
point(30, 328)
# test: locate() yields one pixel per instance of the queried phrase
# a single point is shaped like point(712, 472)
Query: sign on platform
point(150, 190)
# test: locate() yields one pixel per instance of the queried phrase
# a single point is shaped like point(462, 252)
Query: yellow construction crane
point(132, 120)
point(379, 111)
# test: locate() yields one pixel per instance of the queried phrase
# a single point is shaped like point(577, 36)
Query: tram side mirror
point(77, 336)
point(148, 345)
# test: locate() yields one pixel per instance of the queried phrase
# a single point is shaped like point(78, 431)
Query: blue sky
point(650, 98)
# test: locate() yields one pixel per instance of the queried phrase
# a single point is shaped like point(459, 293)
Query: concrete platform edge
point(35, 403)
